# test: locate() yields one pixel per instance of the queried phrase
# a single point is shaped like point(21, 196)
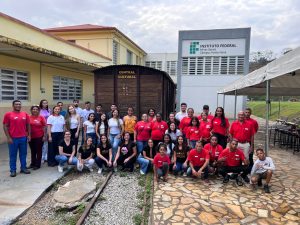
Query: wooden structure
point(137, 86)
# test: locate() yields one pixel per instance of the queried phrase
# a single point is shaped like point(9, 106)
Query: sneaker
point(259, 183)
point(239, 181)
point(99, 170)
point(246, 179)
point(60, 169)
point(115, 169)
point(13, 174)
point(226, 179)
point(25, 171)
point(266, 188)
point(142, 172)
point(184, 174)
point(91, 169)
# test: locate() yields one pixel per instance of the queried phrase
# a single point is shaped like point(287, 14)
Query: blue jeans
point(114, 141)
point(94, 137)
point(180, 168)
point(144, 163)
point(62, 159)
point(141, 145)
point(193, 143)
point(21, 145)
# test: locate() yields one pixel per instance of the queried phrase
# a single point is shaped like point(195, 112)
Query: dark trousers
point(36, 146)
point(162, 171)
point(129, 164)
point(75, 140)
point(155, 144)
point(57, 137)
point(222, 140)
point(100, 162)
point(197, 168)
point(233, 169)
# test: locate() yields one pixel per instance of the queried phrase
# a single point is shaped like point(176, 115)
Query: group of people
point(184, 144)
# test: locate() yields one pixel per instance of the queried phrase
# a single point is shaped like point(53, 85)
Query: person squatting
point(185, 144)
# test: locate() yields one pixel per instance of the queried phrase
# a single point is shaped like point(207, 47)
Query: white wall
point(201, 90)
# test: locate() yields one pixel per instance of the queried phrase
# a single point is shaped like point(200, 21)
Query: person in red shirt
point(248, 113)
point(151, 115)
point(38, 136)
point(198, 160)
point(205, 128)
point(206, 111)
point(214, 150)
point(142, 133)
point(220, 126)
point(193, 132)
point(158, 129)
point(16, 126)
point(161, 163)
point(243, 132)
point(185, 121)
point(232, 160)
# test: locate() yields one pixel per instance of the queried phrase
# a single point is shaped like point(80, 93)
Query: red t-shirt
point(143, 130)
point(184, 124)
point(37, 124)
point(158, 130)
point(217, 128)
point(205, 129)
point(198, 158)
point(16, 122)
point(159, 160)
point(214, 151)
point(242, 131)
point(209, 117)
point(254, 124)
point(193, 133)
point(234, 158)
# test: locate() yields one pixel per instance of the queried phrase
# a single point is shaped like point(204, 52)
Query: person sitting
point(263, 168)
point(103, 153)
point(214, 150)
point(145, 159)
point(85, 157)
point(180, 153)
point(126, 154)
point(232, 160)
point(161, 163)
point(198, 159)
point(67, 151)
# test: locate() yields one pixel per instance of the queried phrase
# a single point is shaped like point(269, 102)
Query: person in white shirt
point(89, 128)
point(77, 108)
point(263, 168)
point(115, 131)
point(182, 113)
point(84, 116)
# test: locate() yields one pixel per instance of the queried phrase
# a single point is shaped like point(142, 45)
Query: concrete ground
point(187, 201)
point(19, 193)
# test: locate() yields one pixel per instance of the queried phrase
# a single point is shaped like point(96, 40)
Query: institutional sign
point(217, 47)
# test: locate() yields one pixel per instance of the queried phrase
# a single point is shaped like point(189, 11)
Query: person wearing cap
point(206, 111)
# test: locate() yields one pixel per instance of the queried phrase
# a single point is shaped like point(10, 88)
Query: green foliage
point(138, 219)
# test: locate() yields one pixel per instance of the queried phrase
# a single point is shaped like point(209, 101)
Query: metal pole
point(217, 99)
point(224, 101)
point(279, 109)
point(267, 141)
point(235, 100)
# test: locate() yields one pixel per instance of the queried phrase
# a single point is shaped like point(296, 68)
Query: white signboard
point(217, 47)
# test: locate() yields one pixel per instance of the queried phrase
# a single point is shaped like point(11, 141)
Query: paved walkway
point(19, 193)
point(184, 201)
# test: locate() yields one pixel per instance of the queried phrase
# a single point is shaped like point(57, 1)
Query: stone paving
point(183, 201)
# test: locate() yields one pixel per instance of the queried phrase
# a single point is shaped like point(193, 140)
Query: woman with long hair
point(181, 151)
point(73, 124)
point(220, 127)
point(45, 112)
point(185, 121)
point(158, 129)
point(173, 131)
point(151, 115)
point(85, 155)
point(38, 136)
point(115, 131)
point(56, 128)
point(193, 132)
point(89, 128)
point(126, 154)
point(101, 126)
point(142, 133)
point(205, 128)
point(104, 154)
point(145, 159)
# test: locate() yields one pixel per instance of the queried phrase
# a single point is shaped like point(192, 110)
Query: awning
point(284, 74)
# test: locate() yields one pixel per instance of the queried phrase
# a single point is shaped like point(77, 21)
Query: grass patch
point(138, 219)
point(287, 109)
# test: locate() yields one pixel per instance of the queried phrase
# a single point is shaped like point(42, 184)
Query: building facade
point(163, 61)
point(209, 60)
point(108, 41)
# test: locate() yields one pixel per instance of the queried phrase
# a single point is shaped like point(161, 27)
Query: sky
point(154, 24)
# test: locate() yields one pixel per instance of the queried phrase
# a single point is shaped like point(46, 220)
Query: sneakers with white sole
point(142, 172)
point(60, 168)
point(91, 169)
point(100, 170)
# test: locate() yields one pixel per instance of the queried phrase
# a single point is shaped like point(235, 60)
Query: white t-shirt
point(261, 166)
point(113, 125)
point(102, 128)
point(73, 122)
point(57, 123)
point(79, 111)
point(180, 115)
point(174, 135)
point(90, 127)
point(85, 114)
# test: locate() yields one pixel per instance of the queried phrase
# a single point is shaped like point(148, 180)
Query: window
point(66, 88)
point(172, 68)
point(13, 85)
point(208, 65)
point(129, 57)
point(115, 52)
point(154, 64)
